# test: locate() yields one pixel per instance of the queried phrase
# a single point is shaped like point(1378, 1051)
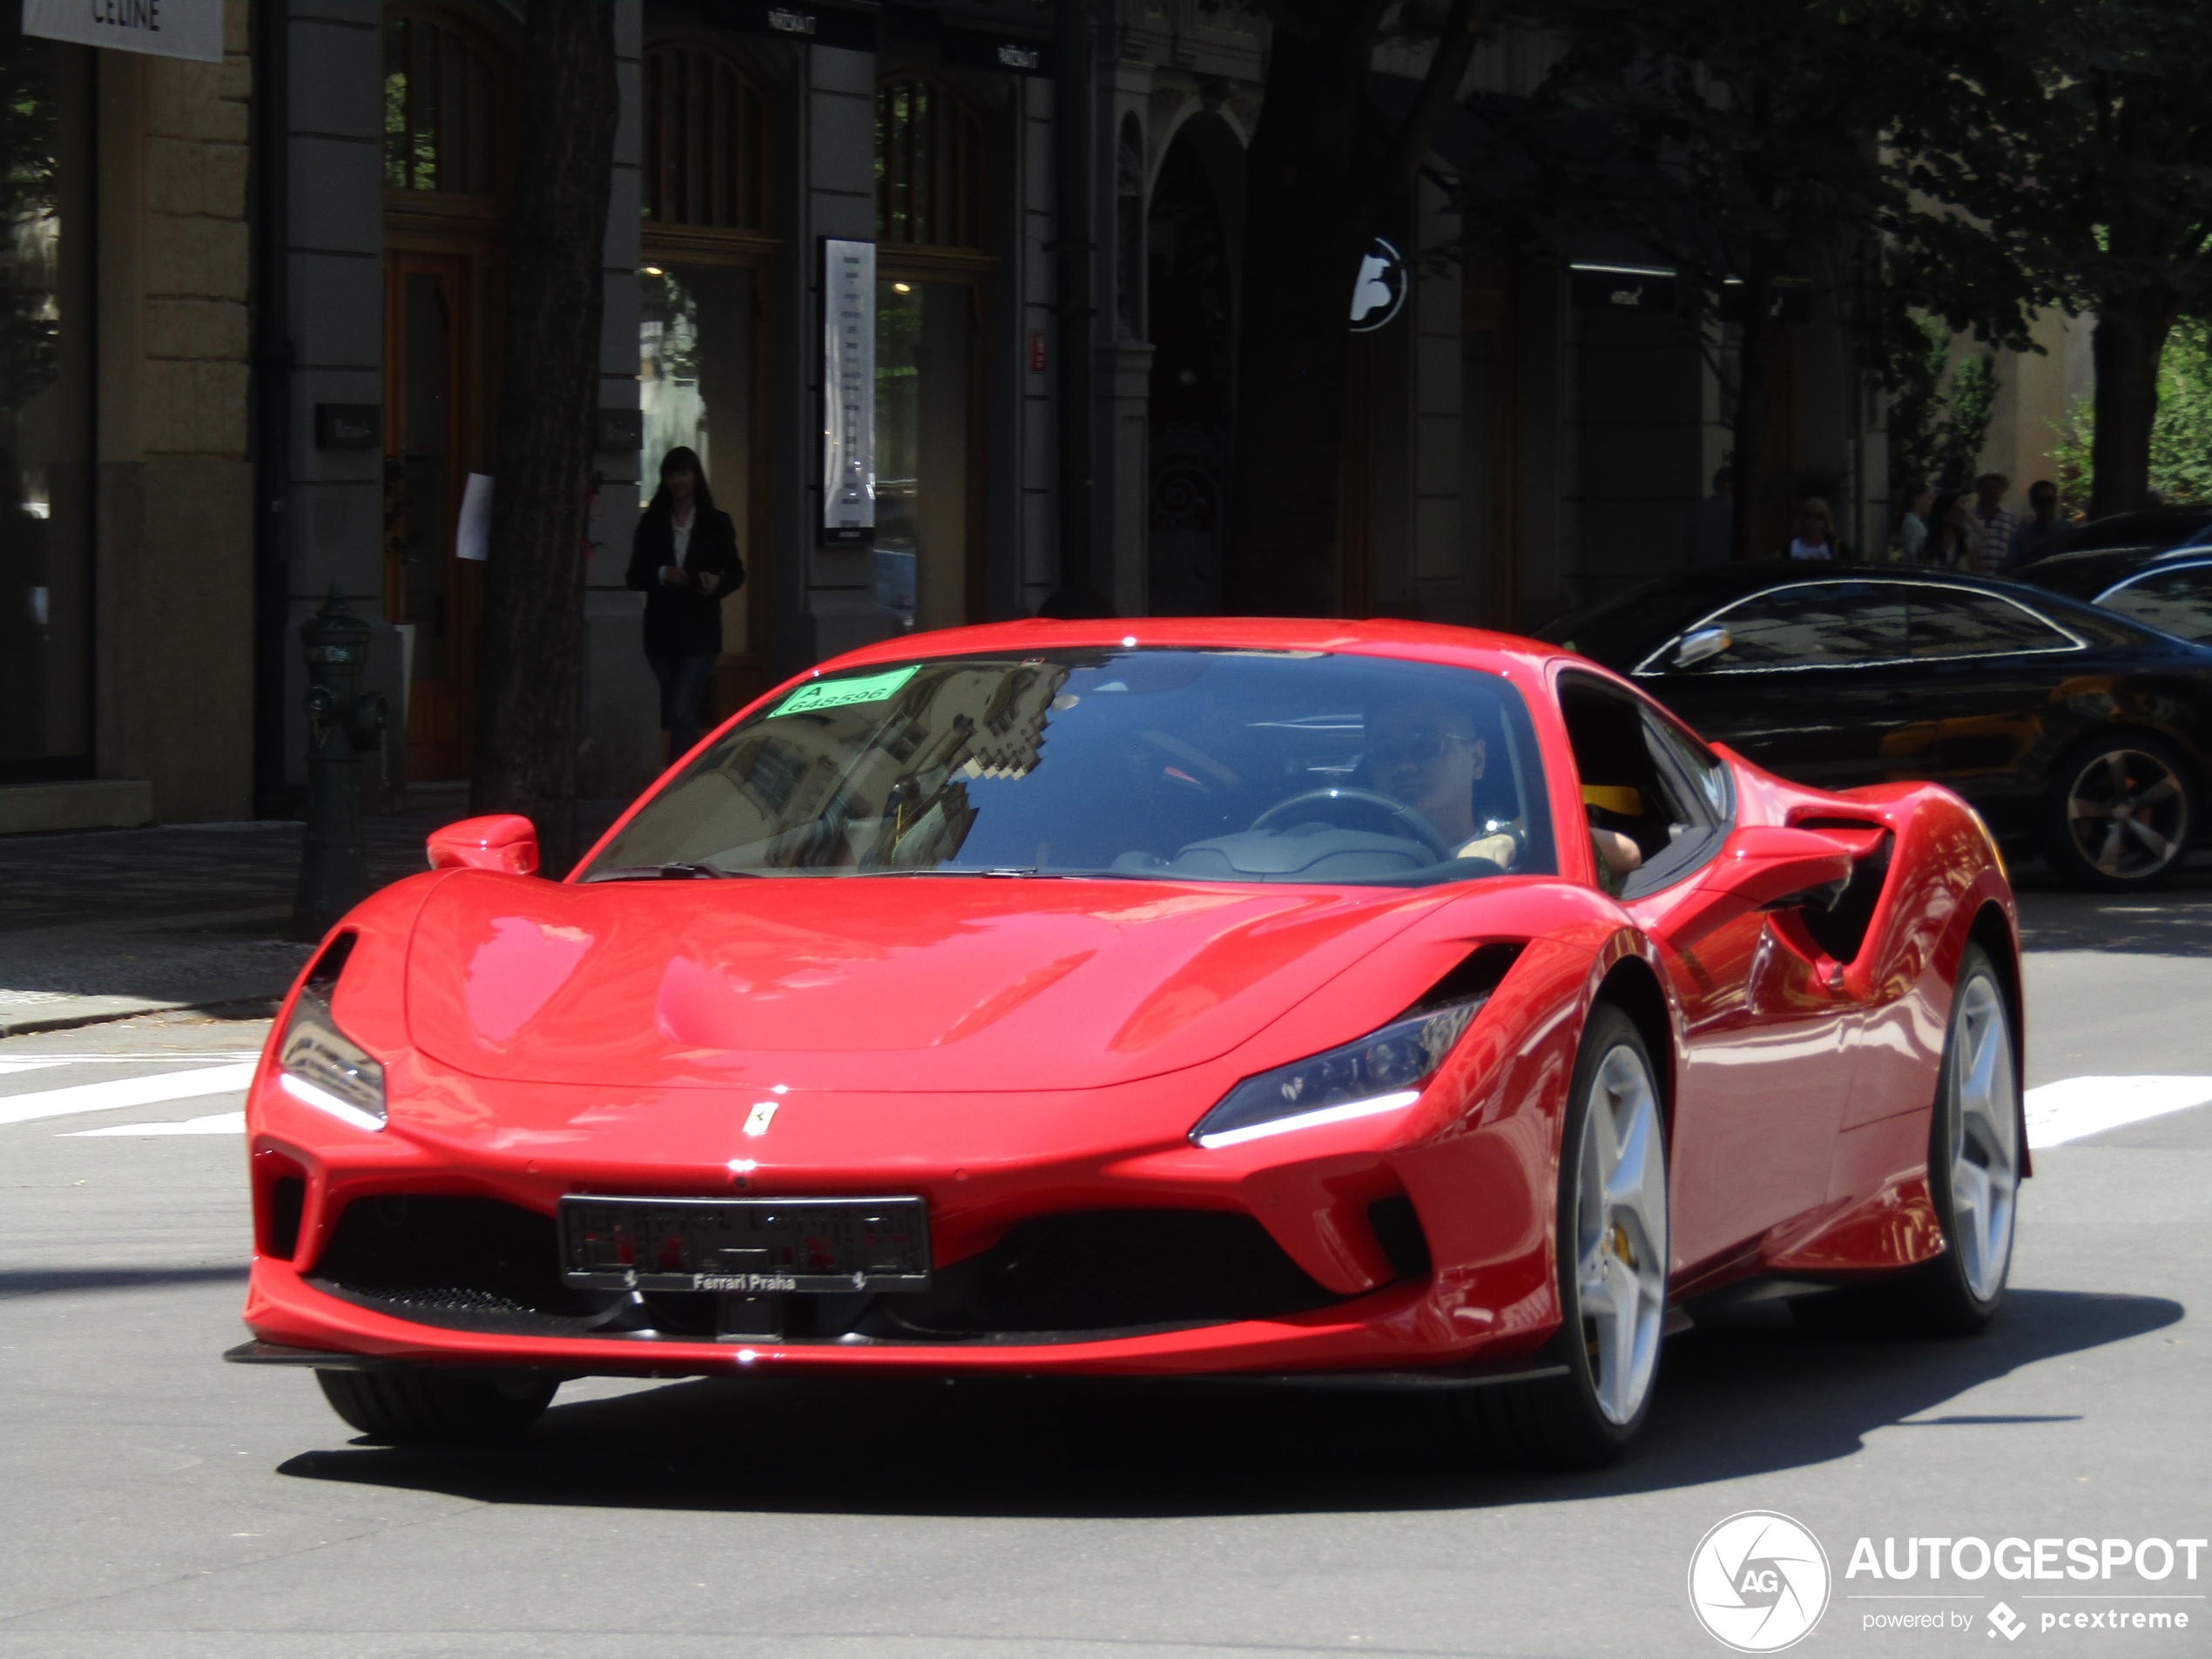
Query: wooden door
point(434, 435)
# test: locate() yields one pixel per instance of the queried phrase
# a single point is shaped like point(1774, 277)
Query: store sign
point(848, 391)
point(849, 27)
point(1380, 293)
point(190, 29)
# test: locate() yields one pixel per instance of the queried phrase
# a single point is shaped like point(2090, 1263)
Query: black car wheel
point(419, 1406)
point(2121, 814)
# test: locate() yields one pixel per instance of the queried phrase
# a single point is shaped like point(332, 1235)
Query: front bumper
point(1463, 1280)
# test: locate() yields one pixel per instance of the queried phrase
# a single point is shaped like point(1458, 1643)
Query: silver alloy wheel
point(2128, 815)
point(1621, 1234)
point(1984, 1136)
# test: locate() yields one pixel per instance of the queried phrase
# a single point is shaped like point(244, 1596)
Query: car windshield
point(1214, 765)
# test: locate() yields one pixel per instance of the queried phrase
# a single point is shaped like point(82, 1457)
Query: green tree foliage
point(2075, 145)
point(1938, 416)
point(2181, 437)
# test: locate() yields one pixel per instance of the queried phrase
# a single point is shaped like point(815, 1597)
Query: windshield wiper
point(675, 870)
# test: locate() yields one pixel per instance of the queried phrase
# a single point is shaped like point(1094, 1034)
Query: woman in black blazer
point(685, 559)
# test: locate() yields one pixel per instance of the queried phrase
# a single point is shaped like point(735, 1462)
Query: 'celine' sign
point(190, 29)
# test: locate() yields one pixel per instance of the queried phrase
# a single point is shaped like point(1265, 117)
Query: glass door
point(928, 549)
point(699, 358)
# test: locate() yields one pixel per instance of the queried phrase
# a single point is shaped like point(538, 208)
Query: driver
point(1423, 750)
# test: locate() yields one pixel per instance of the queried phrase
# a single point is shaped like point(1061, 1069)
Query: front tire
point(421, 1406)
point(2121, 814)
point(1612, 1268)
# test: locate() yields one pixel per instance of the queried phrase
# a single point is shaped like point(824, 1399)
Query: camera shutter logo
point(1758, 1581)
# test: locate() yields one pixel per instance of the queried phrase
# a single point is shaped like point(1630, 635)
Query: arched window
point(929, 165)
point(439, 93)
point(706, 141)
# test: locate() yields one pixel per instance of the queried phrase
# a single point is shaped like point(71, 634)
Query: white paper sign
point(848, 390)
point(190, 29)
point(472, 539)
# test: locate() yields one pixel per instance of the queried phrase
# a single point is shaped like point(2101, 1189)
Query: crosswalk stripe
point(2068, 1110)
point(126, 1091)
point(213, 1123)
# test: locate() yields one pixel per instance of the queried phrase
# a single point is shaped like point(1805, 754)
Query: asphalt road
point(158, 1502)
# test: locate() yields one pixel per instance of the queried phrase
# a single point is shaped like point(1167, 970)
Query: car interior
point(1644, 785)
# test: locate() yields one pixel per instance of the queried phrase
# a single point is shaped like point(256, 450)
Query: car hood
point(904, 983)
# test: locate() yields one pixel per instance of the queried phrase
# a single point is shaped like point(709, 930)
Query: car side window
point(1957, 622)
point(2174, 602)
point(1806, 624)
point(1657, 805)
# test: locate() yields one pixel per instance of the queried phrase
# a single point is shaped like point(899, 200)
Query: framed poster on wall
point(848, 392)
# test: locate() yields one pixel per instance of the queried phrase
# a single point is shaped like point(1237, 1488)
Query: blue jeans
point(683, 688)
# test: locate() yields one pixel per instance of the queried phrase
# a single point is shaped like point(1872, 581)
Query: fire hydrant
point(344, 722)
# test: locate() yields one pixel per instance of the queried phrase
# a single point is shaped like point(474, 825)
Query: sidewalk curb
point(73, 1019)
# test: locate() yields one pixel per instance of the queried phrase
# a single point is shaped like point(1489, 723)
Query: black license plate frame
point(744, 1246)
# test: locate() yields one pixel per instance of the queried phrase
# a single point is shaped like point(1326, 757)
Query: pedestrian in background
point(1954, 536)
point(684, 560)
point(1912, 529)
point(2045, 531)
point(1814, 539)
point(1997, 526)
point(1712, 522)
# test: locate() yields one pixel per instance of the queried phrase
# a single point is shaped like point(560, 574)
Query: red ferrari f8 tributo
point(1368, 1004)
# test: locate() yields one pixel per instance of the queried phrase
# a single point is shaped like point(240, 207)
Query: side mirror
point(505, 841)
point(1695, 649)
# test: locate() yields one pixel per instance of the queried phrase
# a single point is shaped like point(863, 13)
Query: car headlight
point(320, 1066)
point(1380, 1072)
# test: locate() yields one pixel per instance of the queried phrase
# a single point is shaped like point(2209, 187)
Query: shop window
point(45, 410)
point(440, 91)
point(929, 165)
point(706, 152)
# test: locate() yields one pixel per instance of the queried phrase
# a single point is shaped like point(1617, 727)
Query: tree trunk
point(1309, 215)
point(2129, 338)
point(1754, 397)
point(531, 676)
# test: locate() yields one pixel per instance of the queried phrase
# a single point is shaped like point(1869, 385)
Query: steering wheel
point(1423, 832)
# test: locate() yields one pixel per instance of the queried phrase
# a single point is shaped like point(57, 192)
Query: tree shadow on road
point(1754, 1396)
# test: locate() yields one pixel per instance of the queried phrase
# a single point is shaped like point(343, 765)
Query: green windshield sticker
point(817, 695)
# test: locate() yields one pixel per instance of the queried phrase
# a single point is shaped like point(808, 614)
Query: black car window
point(1958, 622)
point(1642, 780)
point(1806, 624)
point(2177, 601)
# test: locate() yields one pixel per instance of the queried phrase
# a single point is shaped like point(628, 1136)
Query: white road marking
point(2068, 1110)
point(126, 1091)
point(214, 1123)
point(169, 1057)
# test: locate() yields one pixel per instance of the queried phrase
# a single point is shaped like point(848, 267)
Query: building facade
point(126, 575)
point(255, 384)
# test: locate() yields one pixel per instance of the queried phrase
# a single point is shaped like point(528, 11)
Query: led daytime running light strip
point(301, 1090)
point(1342, 1114)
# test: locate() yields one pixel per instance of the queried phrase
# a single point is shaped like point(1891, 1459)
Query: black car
point(2155, 530)
point(2068, 726)
point(2169, 590)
